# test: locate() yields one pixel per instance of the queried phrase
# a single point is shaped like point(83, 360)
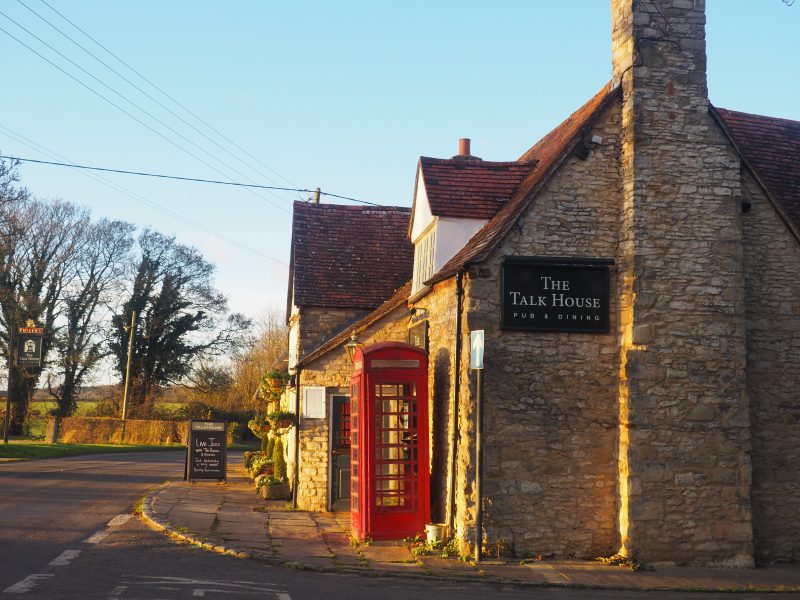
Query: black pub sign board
point(29, 346)
point(206, 455)
point(545, 293)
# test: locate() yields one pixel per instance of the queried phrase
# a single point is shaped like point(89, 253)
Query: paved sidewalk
point(232, 519)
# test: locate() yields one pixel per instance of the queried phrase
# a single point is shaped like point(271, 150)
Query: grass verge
point(28, 450)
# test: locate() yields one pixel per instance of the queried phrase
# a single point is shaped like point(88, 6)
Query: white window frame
point(424, 254)
point(314, 402)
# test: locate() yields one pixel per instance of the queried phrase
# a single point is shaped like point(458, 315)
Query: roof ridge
point(352, 207)
point(758, 116)
point(553, 148)
point(398, 297)
point(476, 163)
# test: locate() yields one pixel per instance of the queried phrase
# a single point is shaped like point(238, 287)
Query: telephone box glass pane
point(396, 447)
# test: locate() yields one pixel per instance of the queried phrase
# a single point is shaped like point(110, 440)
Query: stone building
point(345, 262)
point(635, 274)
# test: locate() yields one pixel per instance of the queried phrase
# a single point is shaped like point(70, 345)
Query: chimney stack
point(464, 150)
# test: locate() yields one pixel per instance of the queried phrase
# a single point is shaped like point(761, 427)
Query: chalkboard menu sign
point(206, 453)
point(555, 294)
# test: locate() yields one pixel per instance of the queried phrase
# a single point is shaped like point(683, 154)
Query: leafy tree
point(100, 259)
point(180, 319)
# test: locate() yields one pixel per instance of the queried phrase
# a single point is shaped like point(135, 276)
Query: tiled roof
point(470, 189)
point(771, 147)
point(548, 153)
point(398, 299)
point(348, 256)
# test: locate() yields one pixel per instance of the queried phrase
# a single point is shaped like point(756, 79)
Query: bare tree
point(10, 192)
point(81, 342)
point(265, 350)
point(36, 260)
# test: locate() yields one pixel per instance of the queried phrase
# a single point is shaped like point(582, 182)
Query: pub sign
point(555, 294)
point(29, 346)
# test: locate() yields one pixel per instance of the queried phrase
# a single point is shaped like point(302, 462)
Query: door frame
point(330, 393)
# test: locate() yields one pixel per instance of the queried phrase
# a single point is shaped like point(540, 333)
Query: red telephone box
point(390, 493)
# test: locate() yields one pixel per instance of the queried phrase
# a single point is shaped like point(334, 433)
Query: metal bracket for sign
point(204, 427)
point(559, 261)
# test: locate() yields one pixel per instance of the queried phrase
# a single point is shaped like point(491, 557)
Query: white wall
point(451, 236)
point(421, 217)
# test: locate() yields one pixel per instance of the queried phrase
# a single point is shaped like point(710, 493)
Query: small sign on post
point(29, 347)
point(476, 349)
point(206, 456)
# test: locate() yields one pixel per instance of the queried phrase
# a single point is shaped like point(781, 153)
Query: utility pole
point(130, 329)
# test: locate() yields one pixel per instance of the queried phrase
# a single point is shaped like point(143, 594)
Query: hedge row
point(108, 430)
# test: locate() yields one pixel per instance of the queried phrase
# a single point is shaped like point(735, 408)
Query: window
point(423, 260)
point(313, 402)
point(396, 450)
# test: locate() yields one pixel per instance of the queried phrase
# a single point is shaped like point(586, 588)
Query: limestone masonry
point(674, 435)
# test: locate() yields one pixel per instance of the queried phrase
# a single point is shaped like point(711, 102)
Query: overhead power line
point(143, 91)
point(165, 94)
point(18, 137)
point(121, 109)
point(180, 178)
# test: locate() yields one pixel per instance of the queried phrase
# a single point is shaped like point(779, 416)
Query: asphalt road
point(66, 531)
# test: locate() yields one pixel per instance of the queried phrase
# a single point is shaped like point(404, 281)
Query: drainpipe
point(456, 393)
point(296, 476)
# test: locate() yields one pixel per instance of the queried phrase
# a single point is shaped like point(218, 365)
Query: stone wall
point(333, 371)
point(684, 438)
point(550, 405)
point(438, 309)
point(318, 325)
point(773, 354)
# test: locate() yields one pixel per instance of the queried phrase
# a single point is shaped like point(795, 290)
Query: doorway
point(340, 453)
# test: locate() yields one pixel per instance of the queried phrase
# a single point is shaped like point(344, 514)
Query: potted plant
point(275, 380)
point(276, 486)
point(283, 419)
point(260, 464)
point(272, 488)
point(260, 427)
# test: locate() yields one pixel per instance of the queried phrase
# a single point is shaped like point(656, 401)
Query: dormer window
point(423, 260)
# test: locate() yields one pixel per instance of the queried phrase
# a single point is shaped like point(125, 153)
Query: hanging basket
point(275, 384)
point(283, 419)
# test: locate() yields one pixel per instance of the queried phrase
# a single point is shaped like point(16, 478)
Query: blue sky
point(345, 96)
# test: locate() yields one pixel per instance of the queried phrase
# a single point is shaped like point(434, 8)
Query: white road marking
point(27, 584)
point(66, 557)
point(200, 583)
point(119, 520)
point(97, 537)
point(201, 587)
point(117, 592)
